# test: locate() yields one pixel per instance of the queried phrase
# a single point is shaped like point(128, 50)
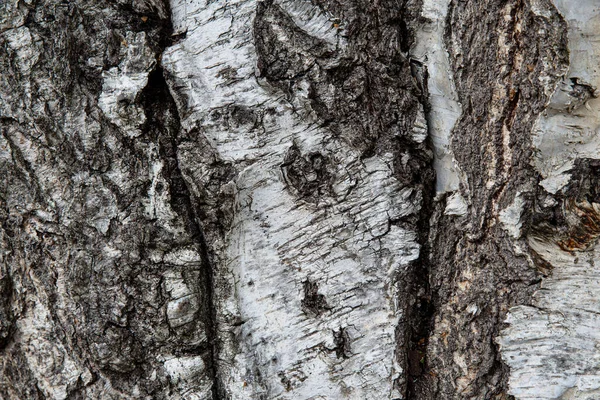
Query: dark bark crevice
point(420, 307)
point(164, 126)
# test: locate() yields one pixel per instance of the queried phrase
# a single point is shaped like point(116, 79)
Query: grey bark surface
point(299, 199)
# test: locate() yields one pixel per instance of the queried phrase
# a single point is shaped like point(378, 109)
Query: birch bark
point(299, 199)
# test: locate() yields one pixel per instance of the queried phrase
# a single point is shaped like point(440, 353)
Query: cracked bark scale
point(294, 199)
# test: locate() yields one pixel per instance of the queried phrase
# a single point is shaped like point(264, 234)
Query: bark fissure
point(163, 117)
point(421, 311)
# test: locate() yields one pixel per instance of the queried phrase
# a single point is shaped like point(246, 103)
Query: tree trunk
point(299, 199)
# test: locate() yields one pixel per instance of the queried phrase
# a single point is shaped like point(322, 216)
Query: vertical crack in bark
point(164, 126)
point(420, 308)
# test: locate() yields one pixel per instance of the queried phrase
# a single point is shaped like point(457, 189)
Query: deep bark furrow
point(164, 124)
point(420, 307)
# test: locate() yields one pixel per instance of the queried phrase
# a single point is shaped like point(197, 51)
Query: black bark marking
point(341, 340)
point(369, 97)
point(6, 314)
point(314, 303)
point(291, 379)
point(580, 92)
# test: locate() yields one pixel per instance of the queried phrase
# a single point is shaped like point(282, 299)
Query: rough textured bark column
point(102, 283)
point(552, 345)
point(504, 57)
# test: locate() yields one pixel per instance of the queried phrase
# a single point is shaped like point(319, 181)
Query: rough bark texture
point(480, 263)
point(299, 199)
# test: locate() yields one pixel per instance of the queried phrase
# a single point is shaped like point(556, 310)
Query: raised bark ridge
point(551, 345)
point(480, 260)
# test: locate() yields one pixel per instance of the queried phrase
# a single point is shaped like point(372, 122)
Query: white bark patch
point(345, 240)
point(511, 217)
point(56, 372)
point(456, 205)
point(187, 373)
point(553, 346)
point(157, 205)
point(122, 84)
point(23, 46)
point(314, 21)
point(445, 109)
point(568, 129)
point(183, 304)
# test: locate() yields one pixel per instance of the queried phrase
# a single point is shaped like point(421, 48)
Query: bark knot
point(307, 176)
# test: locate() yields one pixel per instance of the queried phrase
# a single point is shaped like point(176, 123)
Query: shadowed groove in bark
point(420, 308)
point(163, 123)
